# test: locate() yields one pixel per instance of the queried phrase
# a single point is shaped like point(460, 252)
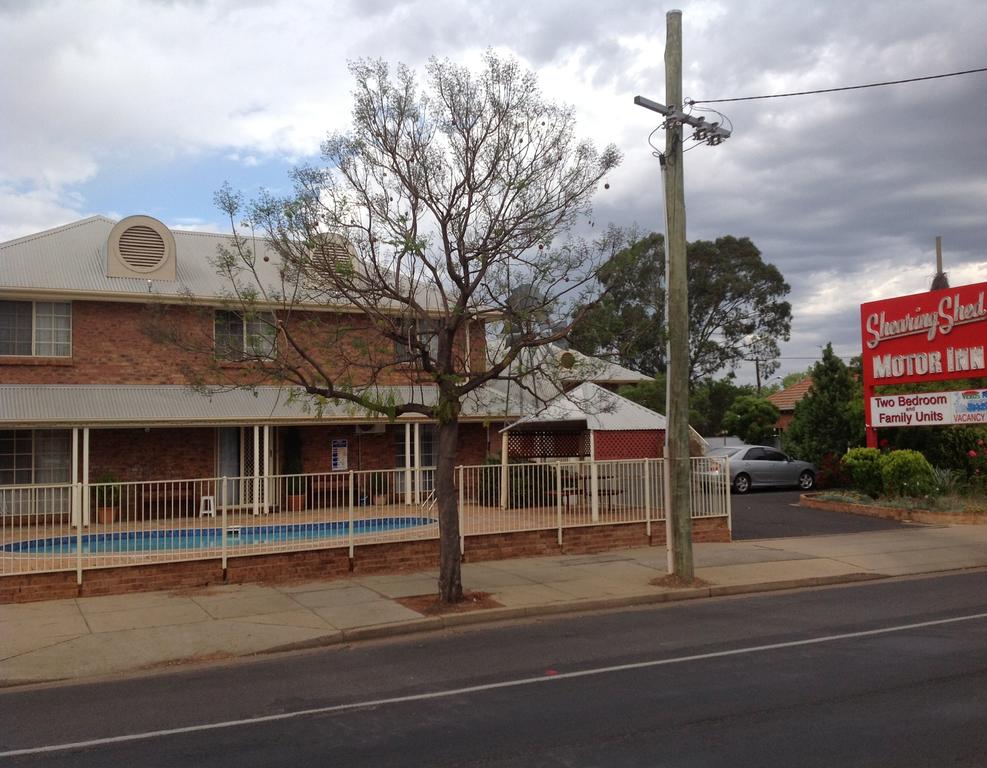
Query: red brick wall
point(396, 557)
point(158, 454)
point(185, 453)
point(295, 566)
point(477, 442)
point(363, 451)
point(602, 538)
point(704, 529)
point(629, 444)
point(111, 345)
point(500, 546)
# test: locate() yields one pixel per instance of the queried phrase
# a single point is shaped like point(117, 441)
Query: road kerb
point(773, 586)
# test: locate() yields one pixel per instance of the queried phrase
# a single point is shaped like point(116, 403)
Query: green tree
point(791, 379)
point(709, 401)
point(752, 419)
point(824, 420)
point(736, 308)
point(430, 212)
point(650, 394)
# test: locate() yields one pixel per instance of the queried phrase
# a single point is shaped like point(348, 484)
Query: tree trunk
point(450, 557)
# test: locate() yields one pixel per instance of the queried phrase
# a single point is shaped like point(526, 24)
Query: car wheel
point(807, 480)
point(742, 483)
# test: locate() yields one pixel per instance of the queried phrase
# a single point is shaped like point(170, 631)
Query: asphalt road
point(881, 674)
point(764, 514)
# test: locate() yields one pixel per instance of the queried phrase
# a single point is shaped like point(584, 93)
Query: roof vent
point(332, 252)
point(139, 246)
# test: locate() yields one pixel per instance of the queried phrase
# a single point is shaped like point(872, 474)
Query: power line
point(834, 90)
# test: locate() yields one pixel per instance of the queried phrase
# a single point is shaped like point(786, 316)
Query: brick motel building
point(109, 458)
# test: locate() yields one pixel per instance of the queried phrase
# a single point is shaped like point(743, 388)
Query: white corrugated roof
point(600, 408)
point(72, 259)
point(106, 405)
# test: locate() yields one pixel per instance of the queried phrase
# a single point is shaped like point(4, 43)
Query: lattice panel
point(629, 444)
point(547, 445)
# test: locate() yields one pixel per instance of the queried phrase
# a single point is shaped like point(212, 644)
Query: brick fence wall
point(335, 563)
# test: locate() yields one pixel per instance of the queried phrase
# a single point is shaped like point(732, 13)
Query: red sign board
point(932, 336)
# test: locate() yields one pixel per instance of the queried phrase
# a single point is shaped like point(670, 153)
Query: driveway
point(776, 514)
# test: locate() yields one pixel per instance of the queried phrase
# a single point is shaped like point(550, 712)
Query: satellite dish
point(529, 303)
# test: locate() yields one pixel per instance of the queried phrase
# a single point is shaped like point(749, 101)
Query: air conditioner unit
point(370, 429)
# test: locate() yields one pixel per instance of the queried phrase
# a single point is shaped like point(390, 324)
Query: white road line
point(479, 688)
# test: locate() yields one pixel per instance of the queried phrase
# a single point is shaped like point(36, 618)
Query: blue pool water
point(209, 538)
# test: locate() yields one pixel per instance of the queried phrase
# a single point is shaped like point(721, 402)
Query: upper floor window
point(425, 332)
point(239, 336)
point(36, 328)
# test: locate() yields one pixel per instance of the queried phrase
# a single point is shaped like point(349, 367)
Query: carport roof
point(599, 408)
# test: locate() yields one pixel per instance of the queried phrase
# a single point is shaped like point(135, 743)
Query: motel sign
point(934, 336)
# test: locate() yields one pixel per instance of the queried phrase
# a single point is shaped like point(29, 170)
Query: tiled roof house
point(786, 399)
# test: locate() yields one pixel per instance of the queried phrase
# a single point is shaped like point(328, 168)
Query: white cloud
point(27, 212)
point(845, 193)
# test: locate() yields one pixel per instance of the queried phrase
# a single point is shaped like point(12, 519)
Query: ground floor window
point(30, 457)
point(35, 456)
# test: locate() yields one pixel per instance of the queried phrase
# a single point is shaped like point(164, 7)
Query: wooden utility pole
point(678, 504)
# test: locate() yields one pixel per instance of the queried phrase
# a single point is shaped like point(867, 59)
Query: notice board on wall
point(340, 449)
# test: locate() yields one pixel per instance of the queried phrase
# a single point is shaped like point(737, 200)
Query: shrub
point(832, 473)
point(864, 467)
point(976, 460)
point(106, 491)
point(907, 473)
point(531, 484)
point(948, 481)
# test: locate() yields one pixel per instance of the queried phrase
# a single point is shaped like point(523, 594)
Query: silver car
point(757, 466)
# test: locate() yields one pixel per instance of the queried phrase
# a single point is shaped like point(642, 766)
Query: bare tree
point(439, 217)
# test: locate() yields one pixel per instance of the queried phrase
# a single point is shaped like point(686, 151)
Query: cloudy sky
point(148, 107)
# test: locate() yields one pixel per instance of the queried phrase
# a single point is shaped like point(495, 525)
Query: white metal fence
point(97, 525)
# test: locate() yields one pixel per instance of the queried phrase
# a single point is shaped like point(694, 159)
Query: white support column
point(594, 479)
point(462, 515)
point(267, 468)
point(86, 511)
point(504, 474)
point(418, 465)
point(256, 493)
point(76, 501)
point(647, 497)
point(407, 464)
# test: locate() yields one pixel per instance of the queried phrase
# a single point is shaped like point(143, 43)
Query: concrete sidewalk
point(91, 636)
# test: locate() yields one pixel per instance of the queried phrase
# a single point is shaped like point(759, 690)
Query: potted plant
point(106, 495)
point(293, 468)
point(380, 487)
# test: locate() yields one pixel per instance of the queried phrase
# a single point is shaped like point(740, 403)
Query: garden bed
point(962, 512)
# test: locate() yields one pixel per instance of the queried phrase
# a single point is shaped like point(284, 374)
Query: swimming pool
point(122, 542)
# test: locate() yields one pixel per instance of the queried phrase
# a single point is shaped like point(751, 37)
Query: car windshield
point(726, 451)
